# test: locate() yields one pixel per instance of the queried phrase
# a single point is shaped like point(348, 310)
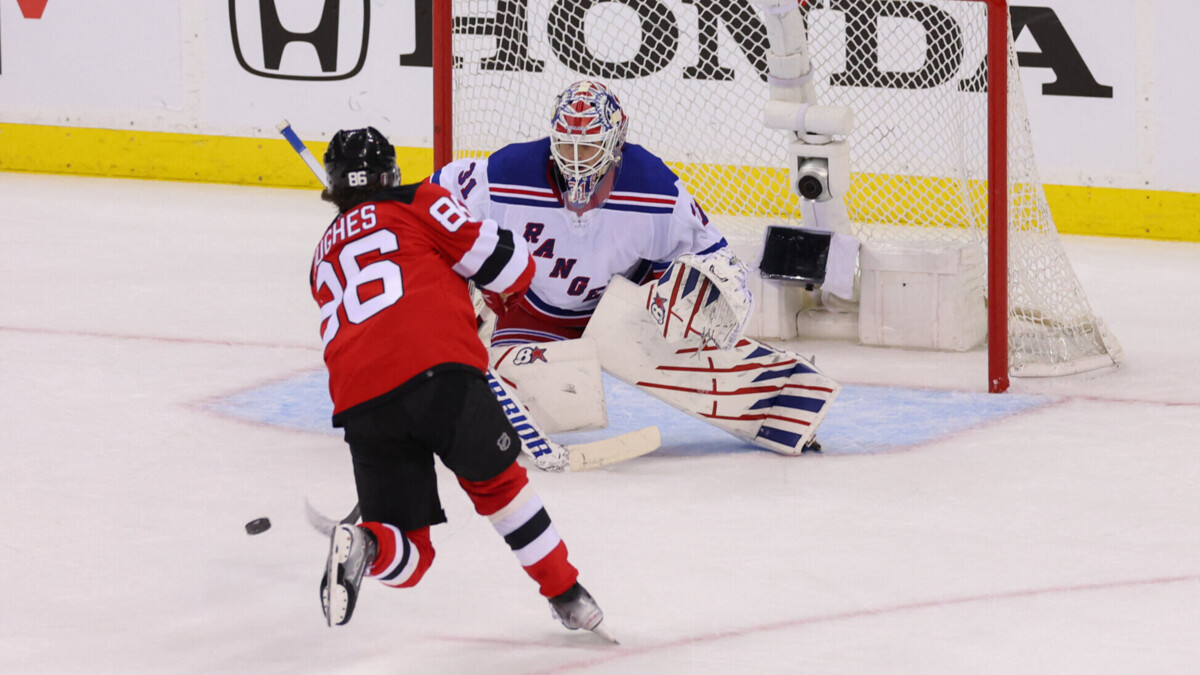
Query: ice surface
point(163, 385)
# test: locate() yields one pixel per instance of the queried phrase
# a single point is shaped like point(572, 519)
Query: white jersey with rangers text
point(647, 221)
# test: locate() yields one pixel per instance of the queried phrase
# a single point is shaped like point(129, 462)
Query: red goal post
point(942, 149)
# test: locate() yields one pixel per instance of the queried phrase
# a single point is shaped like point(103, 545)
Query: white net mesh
point(691, 74)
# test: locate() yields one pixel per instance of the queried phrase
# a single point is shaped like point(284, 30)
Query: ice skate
point(351, 550)
point(576, 609)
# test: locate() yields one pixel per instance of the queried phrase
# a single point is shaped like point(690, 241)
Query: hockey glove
point(501, 303)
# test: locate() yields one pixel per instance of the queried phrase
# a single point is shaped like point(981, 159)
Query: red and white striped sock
point(517, 515)
point(403, 557)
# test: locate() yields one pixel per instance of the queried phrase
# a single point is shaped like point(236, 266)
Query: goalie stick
point(604, 452)
point(583, 457)
point(549, 455)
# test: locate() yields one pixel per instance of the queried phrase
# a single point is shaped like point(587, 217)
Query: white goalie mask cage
point(587, 134)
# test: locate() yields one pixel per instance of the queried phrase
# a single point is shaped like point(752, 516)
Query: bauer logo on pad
point(272, 38)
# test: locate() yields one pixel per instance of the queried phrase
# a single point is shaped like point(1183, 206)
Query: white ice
point(159, 354)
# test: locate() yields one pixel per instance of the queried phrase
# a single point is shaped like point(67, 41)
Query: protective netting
point(692, 75)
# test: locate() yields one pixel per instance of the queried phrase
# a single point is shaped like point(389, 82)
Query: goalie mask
point(587, 134)
point(360, 158)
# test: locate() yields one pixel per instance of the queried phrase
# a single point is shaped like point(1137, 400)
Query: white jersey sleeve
point(467, 180)
point(688, 231)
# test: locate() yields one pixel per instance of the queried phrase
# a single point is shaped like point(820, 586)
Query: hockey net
point(692, 75)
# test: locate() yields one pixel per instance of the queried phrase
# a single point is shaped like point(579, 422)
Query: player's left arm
point(480, 251)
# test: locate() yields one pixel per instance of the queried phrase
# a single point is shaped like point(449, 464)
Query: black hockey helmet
point(360, 158)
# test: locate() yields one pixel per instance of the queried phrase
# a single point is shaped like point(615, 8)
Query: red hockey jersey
point(390, 276)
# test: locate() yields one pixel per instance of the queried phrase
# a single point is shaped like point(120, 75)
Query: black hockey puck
point(258, 526)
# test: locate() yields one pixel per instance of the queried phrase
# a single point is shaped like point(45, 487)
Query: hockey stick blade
point(596, 454)
point(285, 129)
point(603, 632)
point(323, 523)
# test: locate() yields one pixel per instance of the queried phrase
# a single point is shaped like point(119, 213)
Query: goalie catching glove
point(703, 296)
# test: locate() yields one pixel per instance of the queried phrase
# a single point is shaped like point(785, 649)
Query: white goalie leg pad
point(766, 396)
point(545, 453)
point(559, 382)
point(705, 297)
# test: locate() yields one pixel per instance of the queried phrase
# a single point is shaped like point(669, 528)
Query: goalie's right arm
point(467, 180)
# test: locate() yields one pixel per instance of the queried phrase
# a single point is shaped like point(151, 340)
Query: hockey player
point(406, 378)
point(589, 206)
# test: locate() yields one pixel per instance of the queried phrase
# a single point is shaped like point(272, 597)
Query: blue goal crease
point(863, 419)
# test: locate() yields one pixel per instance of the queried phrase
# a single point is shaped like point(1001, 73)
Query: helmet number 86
point(357, 178)
point(384, 271)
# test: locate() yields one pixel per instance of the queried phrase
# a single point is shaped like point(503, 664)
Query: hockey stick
point(323, 523)
point(285, 129)
point(583, 457)
point(608, 451)
point(550, 455)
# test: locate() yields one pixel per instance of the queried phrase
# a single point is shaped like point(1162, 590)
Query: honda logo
point(512, 32)
point(336, 30)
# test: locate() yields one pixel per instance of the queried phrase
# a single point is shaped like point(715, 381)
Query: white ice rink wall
point(192, 90)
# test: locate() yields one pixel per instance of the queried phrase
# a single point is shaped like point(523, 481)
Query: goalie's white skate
point(576, 608)
point(351, 550)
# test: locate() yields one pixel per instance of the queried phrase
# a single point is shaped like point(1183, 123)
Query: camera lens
point(810, 187)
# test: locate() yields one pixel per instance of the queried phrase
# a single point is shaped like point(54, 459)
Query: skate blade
point(604, 633)
point(336, 602)
point(339, 552)
point(342, 542)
